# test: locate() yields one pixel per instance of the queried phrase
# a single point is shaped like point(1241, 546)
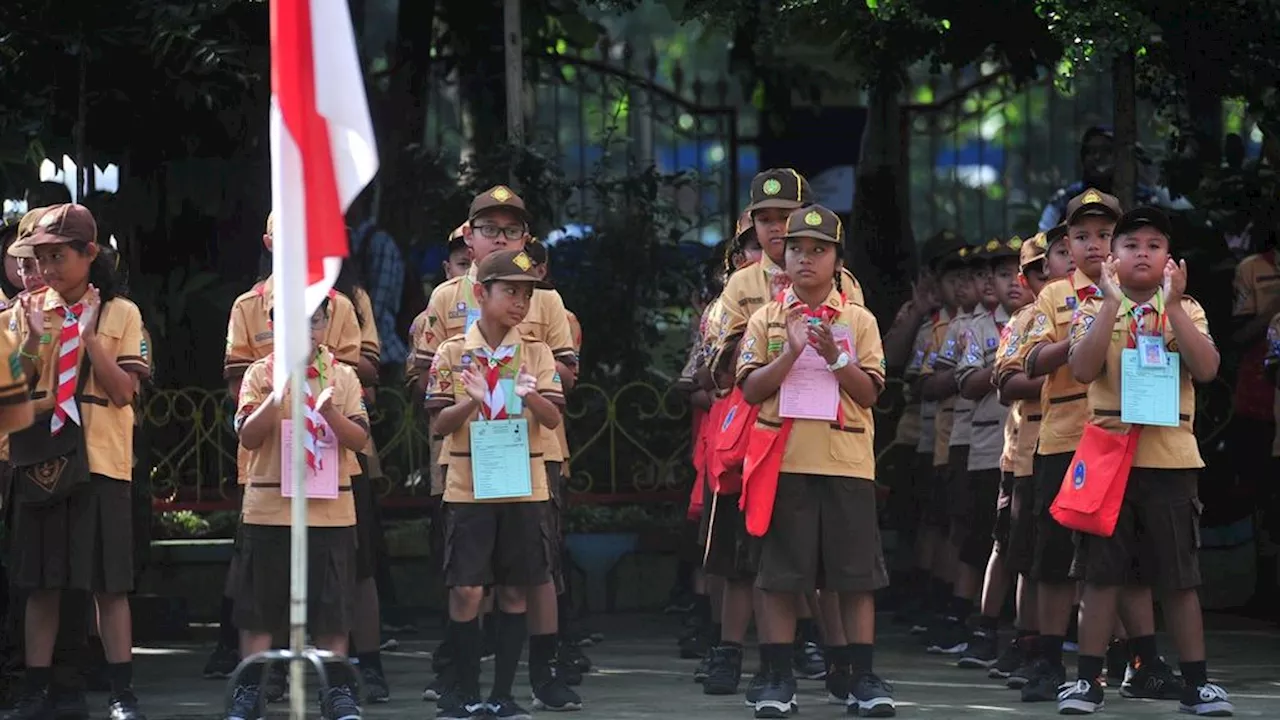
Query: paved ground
point(639, 676)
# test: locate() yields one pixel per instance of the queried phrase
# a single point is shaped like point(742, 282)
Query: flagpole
point(298, 564)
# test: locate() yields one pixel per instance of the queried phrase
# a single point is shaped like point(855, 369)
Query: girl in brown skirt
point(84, 355)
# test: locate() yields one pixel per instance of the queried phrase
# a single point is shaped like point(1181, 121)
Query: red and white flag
point(322, 156)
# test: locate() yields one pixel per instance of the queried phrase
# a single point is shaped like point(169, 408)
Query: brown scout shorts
point(506, 543)
point(370, 545)
point(555, 517)
point(977, 528)
point(825, 535)
point(83, 543)
point(1157, 538)
point(1055, 547)
point(1015, 523)
point(262, 579)
point(732, 553)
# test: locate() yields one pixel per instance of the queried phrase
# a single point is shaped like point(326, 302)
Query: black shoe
point(569, 653)
point(777, 698)
point(245, 703)
point(869, 696)
point(439, 687)
point(701, 672)
point(1084, 697)
point(339, 703)
point(698, 645)
point(1044, 683)
point(839, 681)
point(1117, 662)
point(1151, 681)
point(755, 687)
point(506, 709)
point(124, 706)
point(33, 705)
point(949, 638)
point(555, 695)
point(809, 661)
point(221, 663)
point(724, 672)
point(275, 683)
point(70, 704)
point(374, 684)
point(981, 652)
point(1021, 675)
point(1008, 662)
point(460, 705)
point(1208, 700)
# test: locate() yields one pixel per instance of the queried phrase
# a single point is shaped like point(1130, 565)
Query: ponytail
point(103, 273)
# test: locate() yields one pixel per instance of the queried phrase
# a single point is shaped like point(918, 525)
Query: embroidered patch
point(992, 343)
point(775, 346)
point(262, 336)
point(45, 339)
point(466, 359)
point(15, 364)
point(772, 187)
point(728, 418)
point(1011, 349)
point(1078, 475)
point(431, 320)
point(1091, 197)
point(143, 348)
point(501, 194)
point(1071, 302)
point(522, 261)
point(556, 378)
point(748, 356)
point(749, 343)
point(813, 218)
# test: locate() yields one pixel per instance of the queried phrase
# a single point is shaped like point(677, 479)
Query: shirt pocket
point(849, 444)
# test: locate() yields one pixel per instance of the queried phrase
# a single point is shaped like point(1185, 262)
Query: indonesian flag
point(322, 156)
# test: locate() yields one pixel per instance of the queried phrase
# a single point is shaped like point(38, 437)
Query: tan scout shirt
point(1173, 448)
point(264, 501)
point(370, 344)
point(108, 429)
point(953, 348)
point(944, 420)
point(1063, 405)
point(842, 449)
point(1025, 415)
point(444, 388)
point(928, 409)
point(981, 343)
point(249, 336)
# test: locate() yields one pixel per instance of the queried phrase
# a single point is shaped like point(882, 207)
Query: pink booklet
point(810, 391)
point(322, 483)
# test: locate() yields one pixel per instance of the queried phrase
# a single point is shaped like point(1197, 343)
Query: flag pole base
point(270, 658)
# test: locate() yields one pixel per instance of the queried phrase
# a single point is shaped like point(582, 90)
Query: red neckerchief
point(1138, 314)
point(1084, 293)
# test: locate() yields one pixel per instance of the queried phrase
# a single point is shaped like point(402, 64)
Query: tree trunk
point(476, 30)
point(1124, 184)
point(404, 120)
point(880, 249)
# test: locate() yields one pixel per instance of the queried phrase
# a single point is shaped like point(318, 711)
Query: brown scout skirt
point(82, 543)
point(261, 580)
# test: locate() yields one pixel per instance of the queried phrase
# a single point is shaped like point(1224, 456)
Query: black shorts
point(1157, 538)
point(506, 543)
point(555, 485)
point(704, 519)
point(1055, 547)
point(731, 551)
point(370, 546)
point(959, 500)
point(825, 535)
point(1016, 540)
point(84, 542)
point(931, 487)
point(972, 533)
point(262, 581)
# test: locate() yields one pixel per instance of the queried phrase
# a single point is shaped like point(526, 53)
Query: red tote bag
point(728, 442)
point(760, 471)
point(1093, 488)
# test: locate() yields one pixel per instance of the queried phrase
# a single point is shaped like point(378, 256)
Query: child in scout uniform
point(948, 636)
point(1044, 258)
point(498, 221)
point(982, 489)
point(249, 339)
point(84, 355)
point(336, 427)
point(1091, 218)
point(458, 263)
point(1139, 346)
point(820, 528)
point(492, 381)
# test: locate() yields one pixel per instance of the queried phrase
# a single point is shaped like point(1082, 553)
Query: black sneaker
point(374, 685)
point(70, 704)
point(755, 687)
point(724, 671)
point(460, 705)
point(555, 695)
point(124, 706)
point(506, 709)
point(33, 705)
point(1009, 660)
point(1021, 675)
point(439, 687)
point(275, 682)
point(809, 661)
point(1153, 680)
point(870, 696)
point(571, 675)
point(1208, 700)
point(981, 652)
point(949, 638)
point(339, 703)
point(839, 680)
point(1083, 697)
point(777, 698)
point(1044, 683)
point(221, 663)
point(701, 672)
point(245, 703)
point(1117, 662)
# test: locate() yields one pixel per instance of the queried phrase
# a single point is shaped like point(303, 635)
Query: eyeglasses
point(493, 231)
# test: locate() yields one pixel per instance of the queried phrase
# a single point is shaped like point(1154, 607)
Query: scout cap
point(1143, 217)
point(456, 240)
point(1033, 251)
point(61, 224)
point(815, 222)
point(509, 265)
point(1093, 202)
point(779, 188)
point(939, 246)
point(498, 196)
point(26, 226)
point(271, 224)
point(746, 230)
point(995, 248)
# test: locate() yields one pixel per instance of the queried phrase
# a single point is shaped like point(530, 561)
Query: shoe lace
point(247, 694)
point(1079, 687)
point(875, 681)
point(1209, 691)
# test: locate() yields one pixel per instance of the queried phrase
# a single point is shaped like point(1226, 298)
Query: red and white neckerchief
point(68, 368)
point(495, 363)
point(321, 371)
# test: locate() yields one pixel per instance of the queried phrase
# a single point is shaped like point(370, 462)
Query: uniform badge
point(501, 194)
point(522, 261)
point(1078, 475)
point(749, 343)
point(15, 364)
point(748, 356)
point(775, 346)
point(466, 359)
point(143, 348)
point(728, 417)
point(1015, 242)
point(992, 343)
point(1091, 197)
point(772, 187)
point(813, 218)
point(993, 245)
point(1011, 349)
point(1071, 302)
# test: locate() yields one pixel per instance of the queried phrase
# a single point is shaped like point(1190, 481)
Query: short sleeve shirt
point(444, 388)
point(1024, 416)
point(1063, 405)
point(945, 416)
point(1158, 447)
point(264, 501)
point(845, 448)
point(928, 409)
point(249, 336)
point(370, 346)
point(954, 346)
point(986, 439)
